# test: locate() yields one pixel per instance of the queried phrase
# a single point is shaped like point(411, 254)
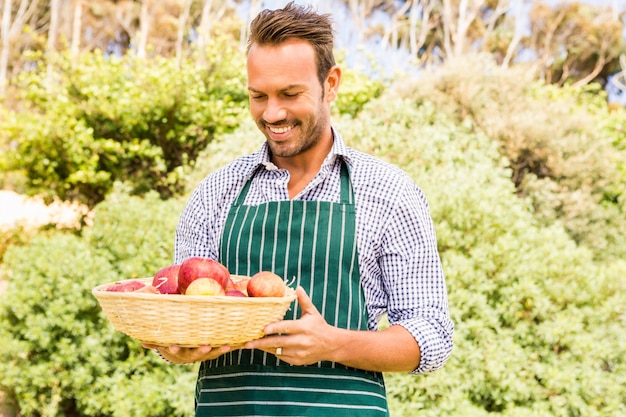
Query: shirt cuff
point(161, 356)
point(434, 341)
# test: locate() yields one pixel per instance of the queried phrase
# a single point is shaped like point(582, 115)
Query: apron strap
point(346, 191)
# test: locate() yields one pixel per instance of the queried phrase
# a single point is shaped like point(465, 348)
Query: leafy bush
point(562, 147)
point(59, 356)
point(13, 236)
point(135, 234)
point(105, 119)
point(356, 90)
point(539, 327)
point(246, 139)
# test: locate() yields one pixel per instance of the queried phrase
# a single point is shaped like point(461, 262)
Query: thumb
point(306, 305)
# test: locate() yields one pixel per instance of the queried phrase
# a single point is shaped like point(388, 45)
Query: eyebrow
point(289, 87)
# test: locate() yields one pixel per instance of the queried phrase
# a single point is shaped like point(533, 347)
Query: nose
point(274, 111)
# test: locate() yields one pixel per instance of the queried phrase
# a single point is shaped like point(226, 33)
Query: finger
point(203, 350)
point(286, 327)
point(306, 304)
point(267, 344)
point(280, 327)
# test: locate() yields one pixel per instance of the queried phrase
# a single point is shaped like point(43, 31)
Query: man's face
point(287, 102)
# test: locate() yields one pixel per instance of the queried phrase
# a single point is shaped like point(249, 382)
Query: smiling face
point(287, 101)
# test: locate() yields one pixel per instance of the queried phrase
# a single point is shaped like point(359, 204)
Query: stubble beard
point(306, 139)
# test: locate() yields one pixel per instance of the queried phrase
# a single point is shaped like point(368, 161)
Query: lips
point(280, 129)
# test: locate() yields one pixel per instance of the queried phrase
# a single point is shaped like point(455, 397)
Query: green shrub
point(539, 327)
point(13, 236)
point(135, 234)
point(104, 119)
point(246, 139)
point(356, 90)
point(564, 150)
point(61, 356)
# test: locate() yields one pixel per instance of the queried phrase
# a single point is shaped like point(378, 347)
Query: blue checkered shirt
point(399, 263)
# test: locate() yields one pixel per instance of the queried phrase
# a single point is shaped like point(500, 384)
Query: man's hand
point(311, 339)
point(180, 355)
point(299, 342)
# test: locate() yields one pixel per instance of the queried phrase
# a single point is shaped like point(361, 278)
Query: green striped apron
point(313, 243)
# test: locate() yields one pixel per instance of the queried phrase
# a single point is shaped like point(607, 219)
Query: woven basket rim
point(100, 292)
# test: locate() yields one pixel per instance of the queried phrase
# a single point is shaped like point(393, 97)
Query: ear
point(331, 85)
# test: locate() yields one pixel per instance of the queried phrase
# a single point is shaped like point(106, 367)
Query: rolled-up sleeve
point(410, 263)
point(405, 278)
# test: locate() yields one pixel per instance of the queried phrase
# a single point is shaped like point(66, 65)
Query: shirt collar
point(339, 149)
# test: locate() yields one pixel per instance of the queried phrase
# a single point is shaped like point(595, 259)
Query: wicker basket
point(190, 320)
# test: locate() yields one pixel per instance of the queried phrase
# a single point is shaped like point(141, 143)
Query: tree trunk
point(5, 32)
point(76, 28)
point(204, 28)
point(255, 8)
point(519, 12)
point(448, 27)
point(144, 29)
point(52, 34)
point(182, 26)
point(206, 22)
point(393, 29)
point(414, 46)
point(54, 25)
point(10, 30)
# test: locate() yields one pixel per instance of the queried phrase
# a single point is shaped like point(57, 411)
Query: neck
point(304, 166)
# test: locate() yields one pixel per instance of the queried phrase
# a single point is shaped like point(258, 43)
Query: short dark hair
point(272, 27)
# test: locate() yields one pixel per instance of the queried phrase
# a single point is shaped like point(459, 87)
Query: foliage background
point(525, 181)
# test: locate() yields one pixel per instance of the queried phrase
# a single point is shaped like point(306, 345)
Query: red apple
point(198, 267)
point(239, 284)
point(266, 284)
point(205, 286)
point(128, 286)
point(166, 280)
point(148, 289)
point(235, 293)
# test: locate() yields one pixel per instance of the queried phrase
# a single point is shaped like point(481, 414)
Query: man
point(354, 231)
